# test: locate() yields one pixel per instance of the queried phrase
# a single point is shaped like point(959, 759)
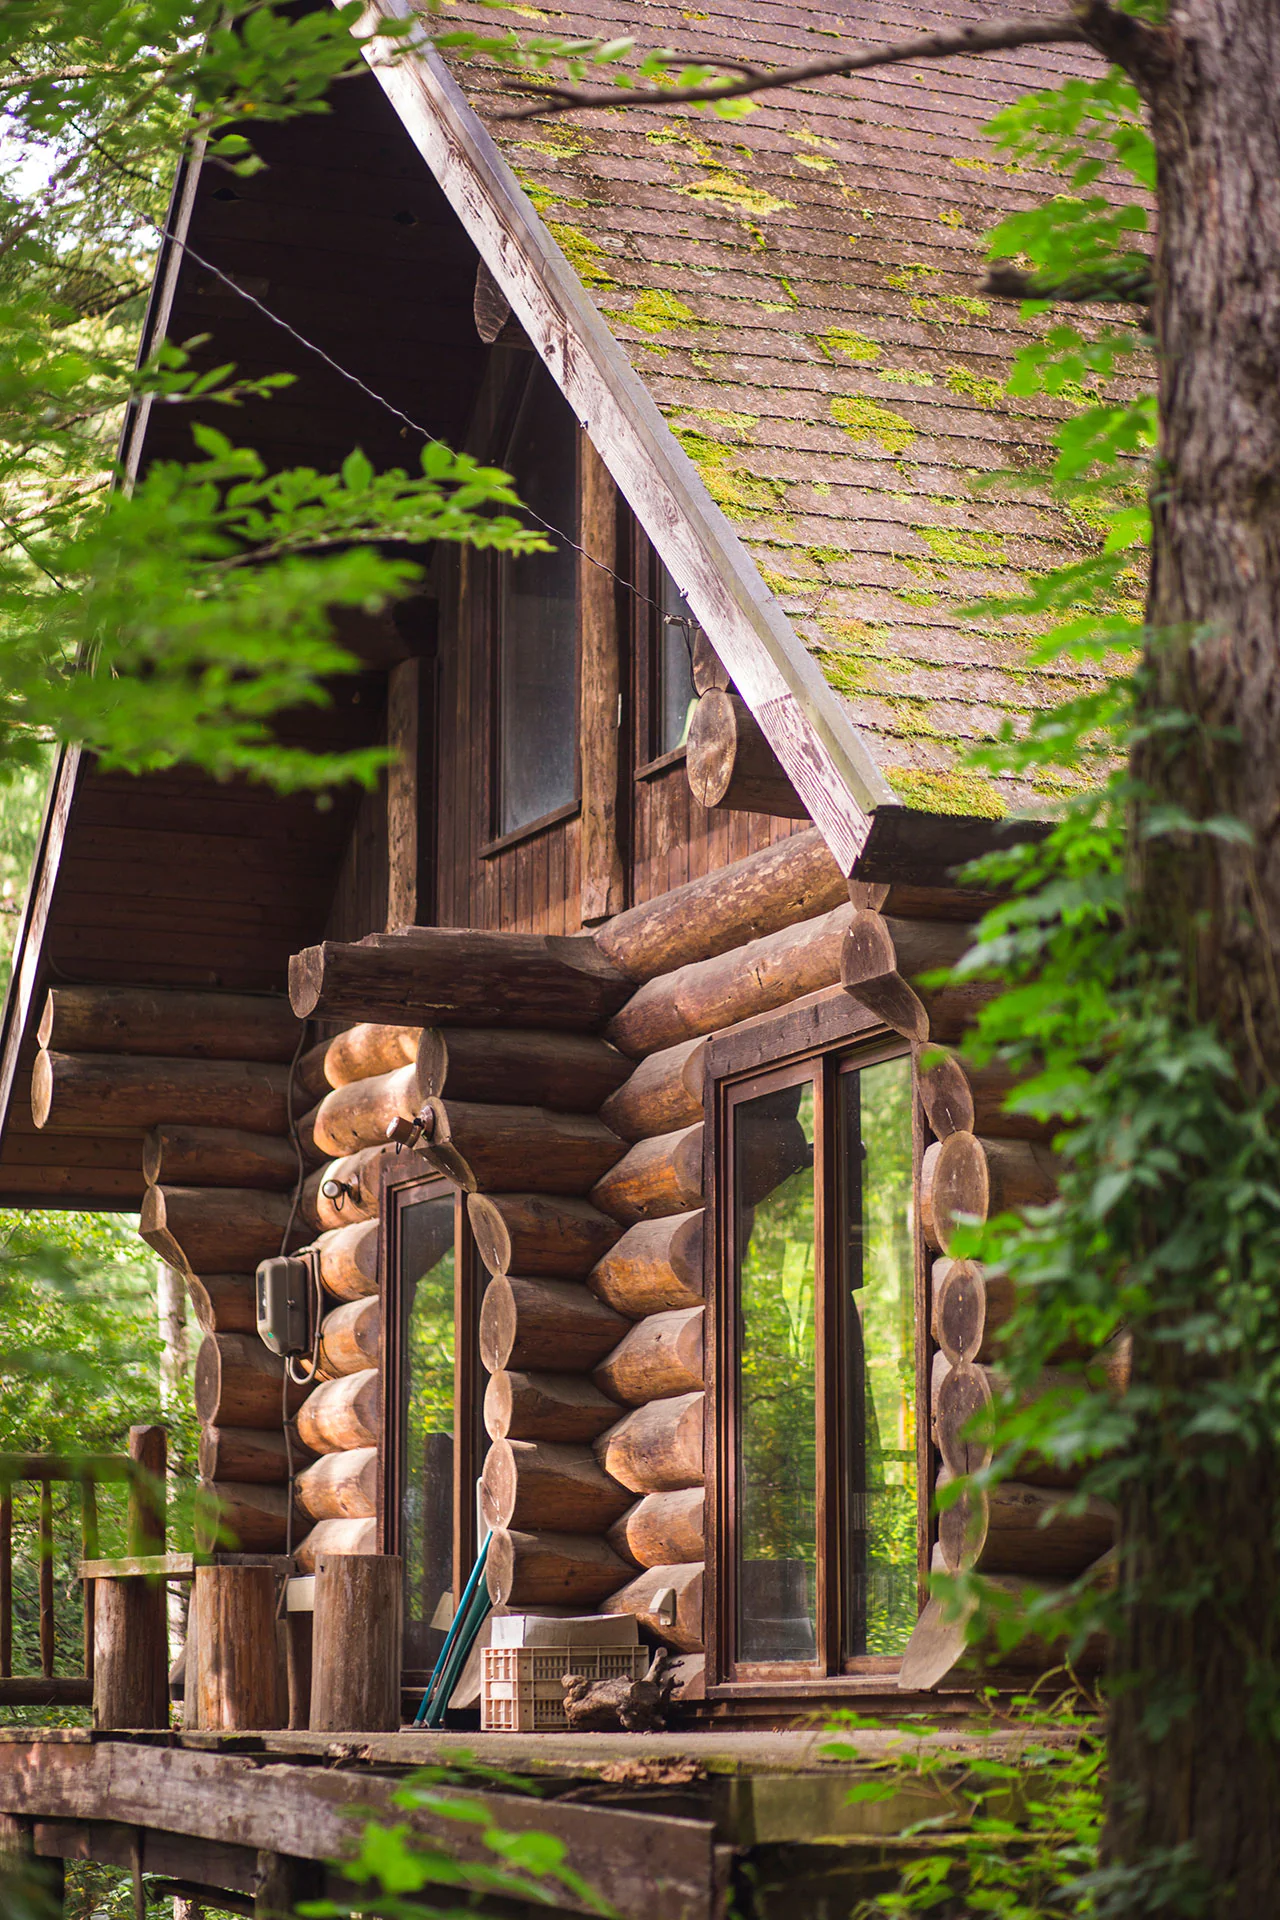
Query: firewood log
point(730, 763)
point(536, 1234)
point(1015, 1528)
point(240, 1383)
point(174, 1156)
point(343, 1413)
point(350, 1338)
point(663, 1093)
point(340, 1486)
point(348, 1259)
point(708, 994)
point(169, 1022)
point(979, 1178)
point(545, 1406)
point(360, 1112)
point(540, 1486)
point(794, 880)
point(214, 1229)
point(544, 1324)
point(663, 1529)
point(660, 1357)
point(251, 1454)
point(640, 1596)
point(335, 1536)
point(223, 1302)
point(517, 1149)
point(82, 1092)
point(656, 1177)
point(658, 1448)
point(366, 1051)
point(460, 977)
point(655, 1266)
point(357, 1177)
point(569, 1072)
point(241, 1518)
point(551, 1569)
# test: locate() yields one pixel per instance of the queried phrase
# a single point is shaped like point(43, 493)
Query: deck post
point(130, 1626)
point(355, 1672)
point(237, 1672)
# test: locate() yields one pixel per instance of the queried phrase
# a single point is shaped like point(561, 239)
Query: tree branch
point(994, 37)
point(1142, 50)
point(1129, 285)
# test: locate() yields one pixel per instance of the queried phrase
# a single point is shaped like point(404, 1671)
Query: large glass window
point(536, 692)
point(821, 1505)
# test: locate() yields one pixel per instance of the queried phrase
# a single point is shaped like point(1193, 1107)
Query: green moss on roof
point(905, 376)
point(741, 425)
point(731, 484)
point(983, 393)
point(582, 252)
point(863, 419)
point(681, 136)
point(816, 161)
point(841, 342)
point(911, 276)
point(939, 308)
point(724, 188)
point(658, 310)
point(947, 792)
point(962, 548)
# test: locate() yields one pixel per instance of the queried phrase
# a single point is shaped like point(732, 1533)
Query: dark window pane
point(879, 1214)
point(538, 619)
point(777, 1472)
point(674, 691)
point(428, 1346)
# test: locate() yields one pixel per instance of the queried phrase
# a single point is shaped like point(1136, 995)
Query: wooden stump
point(238, 1680)
point(355, 1682)
point(130, 1654)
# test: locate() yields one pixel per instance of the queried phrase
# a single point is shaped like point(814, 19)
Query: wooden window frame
point(409, 1179)
point(646, 645)
point(818, 1039)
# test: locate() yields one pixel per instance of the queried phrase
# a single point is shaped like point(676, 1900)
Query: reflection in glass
point(427, 1343)
point(878, 1204)
point(538, 619)
point(675, 697)
point(777, 1471)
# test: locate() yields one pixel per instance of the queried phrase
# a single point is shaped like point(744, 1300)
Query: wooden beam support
point(967, 1177)
point(658, 1176)
point(600, 681)
point(174, 1156)
point(333, 1537)
point(658, 1448)
point(236, 1679)
point(223, 1302)
point(348, 1259)
point(342, 1413)
point(730, 763)
point(71, 1092)
point(546, 1406)
point(537, 1324)
point(215, 1229)
point(155, 1020)
point(350, 1337)
point(551, 1569)
point(544, 1485)
point(355, 1672)
point(410, 891)
point(663, 1529)
point(340, 1486)
point(660, 1357)
point(240, 1383)
point(662, 1094)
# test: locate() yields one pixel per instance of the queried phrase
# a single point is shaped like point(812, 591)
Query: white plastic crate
point(522, 1691)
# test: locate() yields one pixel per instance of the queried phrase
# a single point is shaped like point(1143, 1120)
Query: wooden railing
point(142, 1469)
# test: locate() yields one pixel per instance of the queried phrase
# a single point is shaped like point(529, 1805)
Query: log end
point(306, 980)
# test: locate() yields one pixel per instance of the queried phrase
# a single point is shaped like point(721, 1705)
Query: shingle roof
point(798, 292)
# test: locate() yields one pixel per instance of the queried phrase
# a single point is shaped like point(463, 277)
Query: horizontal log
point(343, 1413)
point(305, 1129)
point(538, 1486)
point(940, 1640)
point(240, 1383)
point(1016, 1528)
point(215, 1229)
point(663, 1093)
point(340, 1486)
point(545, 1406)
point(241, 1518)
point(707, 667)
point(367, 1050)
point(655, 1177)
point(310, 1082)
point(459, 976)
point(881, 965)
point(970, 1306)
point(517, 1149)
point(962, 1415)
point(795, 880)
point(335, 1536)
point(654, 1267)
point(350, 1337)
point(544, 1324)
point(255, 1454)
point(962, 1395)
point(362, 1113)
point(175, 1156)
point(537, 1234)
point(223, 1302)
point(663, 1529)
point(660, 1357)
point(348, 1259)
point(551, 1569)
point(75, 1091)
point(708, 994)
point(641, 1596)
point(569, 1072)
point(965, 1175)
point(945, 1094)
point(155, 1020)
point(960, 1098)
point(357, 1178)
point(658, 1448)
point(730, 763)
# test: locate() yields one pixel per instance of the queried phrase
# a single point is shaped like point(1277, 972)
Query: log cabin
point(583, 1055)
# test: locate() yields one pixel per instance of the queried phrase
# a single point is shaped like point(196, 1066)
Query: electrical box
point(284, 1300)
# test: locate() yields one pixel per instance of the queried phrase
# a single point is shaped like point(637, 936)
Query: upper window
point(819, 1487)
point(673, 695)
point(536, 664)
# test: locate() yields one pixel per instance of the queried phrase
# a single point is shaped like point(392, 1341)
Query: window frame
point(646, 654)
point(407, 1180)
point(819, 1040)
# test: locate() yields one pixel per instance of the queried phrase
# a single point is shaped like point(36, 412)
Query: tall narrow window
point(673, 695)
point(536, 663)
point(427, 1290)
